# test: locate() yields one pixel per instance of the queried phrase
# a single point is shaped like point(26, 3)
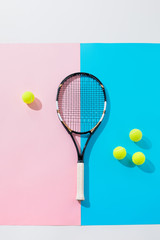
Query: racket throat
point(80, 158)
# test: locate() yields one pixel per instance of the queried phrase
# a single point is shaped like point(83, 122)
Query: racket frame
point(90, 132)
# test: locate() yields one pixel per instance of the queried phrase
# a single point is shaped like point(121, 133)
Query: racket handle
point(80, 181)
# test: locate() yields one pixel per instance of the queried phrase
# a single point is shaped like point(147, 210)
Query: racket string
point(81, 103)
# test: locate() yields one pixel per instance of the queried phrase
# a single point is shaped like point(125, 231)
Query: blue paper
point(118, 192)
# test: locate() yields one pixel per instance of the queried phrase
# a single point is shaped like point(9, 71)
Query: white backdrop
point(79, 21)
point(46, 21)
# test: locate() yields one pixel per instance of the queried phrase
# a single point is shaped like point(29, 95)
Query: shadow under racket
point(86, 202)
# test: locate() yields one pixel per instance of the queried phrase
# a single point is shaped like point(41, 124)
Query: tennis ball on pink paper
point(28, 97)
point(119, 153)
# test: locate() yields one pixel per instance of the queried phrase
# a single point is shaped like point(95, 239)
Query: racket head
point(81, 103)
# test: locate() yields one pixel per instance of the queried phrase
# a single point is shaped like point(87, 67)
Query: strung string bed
point(81, 102)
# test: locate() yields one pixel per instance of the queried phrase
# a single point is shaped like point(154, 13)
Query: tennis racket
point(81, 105)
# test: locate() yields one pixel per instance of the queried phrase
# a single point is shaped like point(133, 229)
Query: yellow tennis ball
point(119, 153)
point(138, 158)
point(28, 97)
point(135, 135)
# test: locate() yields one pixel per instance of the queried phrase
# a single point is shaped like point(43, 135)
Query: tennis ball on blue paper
point(28, 97)
point(138, 158)
point(135, 135)
point(119, 153)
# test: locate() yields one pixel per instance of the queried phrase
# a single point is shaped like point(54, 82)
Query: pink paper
point(37, 156)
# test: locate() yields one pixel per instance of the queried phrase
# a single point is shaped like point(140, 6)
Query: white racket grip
point(80, 181)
